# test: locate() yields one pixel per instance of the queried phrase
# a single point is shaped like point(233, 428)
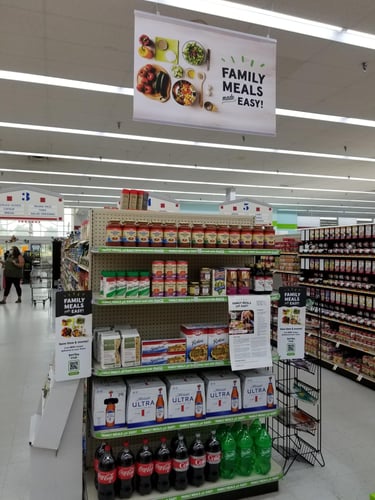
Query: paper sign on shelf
point(291, 322)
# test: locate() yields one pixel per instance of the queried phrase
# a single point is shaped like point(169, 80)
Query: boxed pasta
point(130, 347)
point(109, 345)
point(108, 399)
point(196, 342)
point(163, 346)
point(218, 342)
point(146, 401)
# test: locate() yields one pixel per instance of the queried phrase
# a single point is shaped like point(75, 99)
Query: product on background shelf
point(108, 403)
point(196, 342)
point(144, 468)
point(107, 474)
point(263, 451)
point(180, 463)
point(218, 341)
point(245, 452)
point(197, 461)
point(130, 346)
point(213, 458)
point(146, 401)
point(228, 464)
point(125, 463)
point(220, 388)
point(114, 233)
point(162, 466)
point(99, 451)
point(257, 390)
point(108, 349)
point(218, 282)
point(186, 398)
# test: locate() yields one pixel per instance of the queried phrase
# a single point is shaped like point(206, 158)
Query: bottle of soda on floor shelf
point(220, 433)
point(106, 475)
point(180, 464)
point(263, 451)
point(213, 458)
point(197, 461)
point(228, 459)
point(98, 453)
point(255, 428)
point(236, 429)
point(245, 452)
point(144, 468)
point(162, 466)
point(175, 441)
point(125, 463)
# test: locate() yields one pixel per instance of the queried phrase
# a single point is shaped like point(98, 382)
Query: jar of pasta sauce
point(157, 269)
point(182, 269)
point(246, 237)
point(269, 237)
point(170, 269)
point(210, 236)
point(129, 234)
point(258, 237)
point(181, 287)
point(169, 287)
point(143, 234)
point(170, 235)
point(223, 236)
point(234, 236)
point(156, 234)
point(114, 233)
point(184, 236)
point(157, 287)
point(197, 236)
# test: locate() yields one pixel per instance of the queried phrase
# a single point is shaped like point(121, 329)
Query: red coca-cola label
point(145, 470)
point(163, 467)
point(107, 477)
point(213, 457)
point(197, 462)
point(96, 464)
point(125, 473)
point(180, 465)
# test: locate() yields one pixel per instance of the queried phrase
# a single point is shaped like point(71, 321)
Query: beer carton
point(218, 342)
point(146, 401)
point(223, 392)
point(130, 347)
point(196, 342)
point(108, 399)
point(186, 397)
point(258, 390)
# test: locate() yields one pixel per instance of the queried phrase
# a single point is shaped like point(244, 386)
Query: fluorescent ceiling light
point(272, 19)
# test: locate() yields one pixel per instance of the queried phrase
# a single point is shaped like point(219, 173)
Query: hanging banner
point(195, 75)
point(291, 321)
point(249, 331)
point(26, 205)
point(73, 327)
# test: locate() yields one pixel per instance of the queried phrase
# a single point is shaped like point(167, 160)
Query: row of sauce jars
point(157, 234)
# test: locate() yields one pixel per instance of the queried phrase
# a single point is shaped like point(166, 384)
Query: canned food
point(182, 269)
point(194, 288)
point(205, 274)
point(157, 288)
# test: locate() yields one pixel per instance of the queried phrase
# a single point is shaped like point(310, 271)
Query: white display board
point(27, 205)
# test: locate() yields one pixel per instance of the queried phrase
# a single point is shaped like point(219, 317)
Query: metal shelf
point(100, 301)
point(286, 272)
point(336, 320)
point(183, 251)
point(339, 343)
point(340, 256)
point(340, 289)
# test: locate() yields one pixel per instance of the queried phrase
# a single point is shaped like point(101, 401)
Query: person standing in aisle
point(13, 271)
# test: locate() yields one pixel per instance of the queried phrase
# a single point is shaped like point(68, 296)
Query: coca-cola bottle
point(98, 453)
point(144, 467)
point(125, 472)
point(213, 458)
point(180, 464)
point(106, 475)
point(197, 461)
point(162, 466)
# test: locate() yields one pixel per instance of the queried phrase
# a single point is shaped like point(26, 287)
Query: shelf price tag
point(359, 378)
point(334, 367)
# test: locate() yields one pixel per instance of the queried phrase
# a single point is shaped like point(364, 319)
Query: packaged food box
point(218, 282)
point(223, 392)
point(218, 342)
point(95, 339)
point(109, 345)
point(146, 401)
point(108, 399)
point(130, 347)
point(196, 342)
point(186, 397)
point(163, 358)
point(258, 390)
point(163, 346)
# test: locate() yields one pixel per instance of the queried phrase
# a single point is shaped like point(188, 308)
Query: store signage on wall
point(249, 331)
point(73, 327)
point(291, 322)
point(31, 206)
point(195, 75)
point(262, 213)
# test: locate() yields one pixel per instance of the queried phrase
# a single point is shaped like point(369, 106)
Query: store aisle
point(26, 346)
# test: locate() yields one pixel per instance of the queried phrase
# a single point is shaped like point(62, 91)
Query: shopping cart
point(41, 284)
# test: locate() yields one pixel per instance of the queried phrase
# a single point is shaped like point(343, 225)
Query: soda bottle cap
point(145, 441)
point(107, 447)
point(163, 439)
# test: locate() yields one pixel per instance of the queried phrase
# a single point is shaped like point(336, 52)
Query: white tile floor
point(26, 346)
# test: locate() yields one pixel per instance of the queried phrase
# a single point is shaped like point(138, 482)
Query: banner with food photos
point(291, 322)
point(73, 328)
point(195, 75)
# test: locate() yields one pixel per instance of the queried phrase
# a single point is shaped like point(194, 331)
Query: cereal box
point(196, 342)
point(146, 401)
point(223, 392)
point(218, 282)
point(108, 399)
point(186, 397)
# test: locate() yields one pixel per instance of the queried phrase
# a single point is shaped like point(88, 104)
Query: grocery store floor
point(26, 346)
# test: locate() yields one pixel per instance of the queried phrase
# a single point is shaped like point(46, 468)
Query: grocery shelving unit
point(158, 318)
point(75, 266)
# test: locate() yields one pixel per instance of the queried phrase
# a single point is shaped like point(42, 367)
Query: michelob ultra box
point(258, 390)
point(223, 392)
point(196, 342)
point(146, 401)
point(108, 400)
point(186, 397)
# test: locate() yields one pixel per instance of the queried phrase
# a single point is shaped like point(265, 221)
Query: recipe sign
point(73, 328)
point(202, 76)
point(291, 322)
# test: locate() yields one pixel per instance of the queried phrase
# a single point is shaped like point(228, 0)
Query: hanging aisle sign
point(26, 205)
point(195, 75)
point(291, 322)
point(73, 327)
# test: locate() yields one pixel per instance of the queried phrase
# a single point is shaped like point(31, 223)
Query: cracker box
point(109, 344)
point(223, 392)
point(258, 390)
point(196, 342)
point(186, 397)
point(163, 346)
point(108, 400)
point(130, 347)
point(218, 342)
point(146, 401)
point(218, 282)
point(164, 358)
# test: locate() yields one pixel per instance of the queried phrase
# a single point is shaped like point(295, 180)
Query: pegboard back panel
point(99, 219)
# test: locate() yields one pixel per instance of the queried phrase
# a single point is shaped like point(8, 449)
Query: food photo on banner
point(203, 76)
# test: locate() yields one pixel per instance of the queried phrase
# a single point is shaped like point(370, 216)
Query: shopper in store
point(13, 271)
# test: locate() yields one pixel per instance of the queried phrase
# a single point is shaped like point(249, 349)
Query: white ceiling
point(92, 40)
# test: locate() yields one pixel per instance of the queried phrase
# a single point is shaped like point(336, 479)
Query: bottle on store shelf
point(106, 475)
point(160, 406)
point(221, 432)
point(245, 452)
point(213, 458)
point(98, 453)
point(270, 394)
point(258, 279)
point(235, 399)
point(197, 461)
point(144, 468)
point(180, 463)
point(236, 429)
point(229, 457)
point(162, 466)
point(263, 451)
point(198, 408)
point(125, 462)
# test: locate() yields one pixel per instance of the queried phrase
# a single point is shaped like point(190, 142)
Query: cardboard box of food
point(196, 342)
point(108, 400)
point(218, 342)
point(223, 392)
point(163, 346)
point(164, 358)
point(130, 347)
point(218, 282)
point(146, 401)
point(108, 354)
point(258, 390)
point(186, 397)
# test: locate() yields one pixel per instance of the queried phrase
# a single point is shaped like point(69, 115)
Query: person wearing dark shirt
point(13, 271)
